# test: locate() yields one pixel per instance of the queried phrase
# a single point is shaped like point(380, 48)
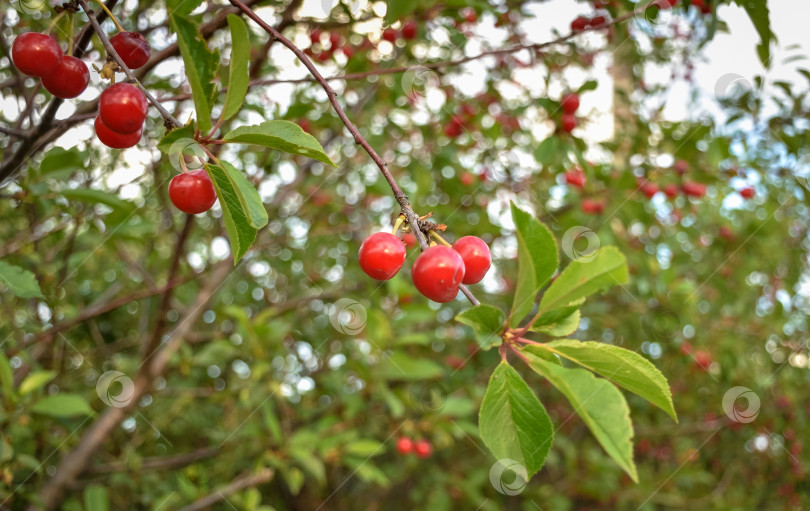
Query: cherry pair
point(421, 448)
point(569, 105)
point(40, 56)
point(122, 110)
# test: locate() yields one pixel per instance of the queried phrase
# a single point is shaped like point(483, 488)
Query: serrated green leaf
point(582, 278)
point(62, 406)
point(19, 281)
point(623, 367)
point(239, 74)
point(96, 498)
point(201, 67)
point(60, 163)
point(182, 7)
point(564, 325)
point(537, 261)
point(185, 135)
point(399, 366)
point(241, 233)
point(760, 17)
point(281, 135)
point(249, 197)
point(513, 423)
point(35, 380)
point(600, 405)
point(488, 323)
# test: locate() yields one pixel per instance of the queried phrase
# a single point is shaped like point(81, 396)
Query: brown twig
point(240, 483)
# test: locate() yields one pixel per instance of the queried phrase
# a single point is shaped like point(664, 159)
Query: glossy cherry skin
point(568, 122)
point(409, 30)
point(437, 273)
point(123, 108)
point(476, 256)
point(390, 35)
point(69, 80)
point(115, 140)
point(747, 193)
point(404, 445)
point(422, 448)
point(570, 103)
point(132, 47)
point(692, 189)
point(579, 24)
point(36, 54)
point(381, 255)
point(192, 192)
point(575, 178)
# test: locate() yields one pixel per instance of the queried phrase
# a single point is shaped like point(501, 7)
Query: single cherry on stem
point(381, 255)
point(115, 140)
point(132, 47)
point(568, 122)
point(476, 256)
point(69, 80)
point(36, 54)
point(404, 445)
point(437, 273)
point(409, 30)
point(747, 193)
point(123, 107)
point(192, 192)
point(423, 448)
point(570, 103)
point(390, 35)
point(579, 24)
point(575, 177)
point(693, 189)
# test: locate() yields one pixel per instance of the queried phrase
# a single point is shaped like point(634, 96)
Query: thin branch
point(157, 462)
point(105, 41)
point(238, 484)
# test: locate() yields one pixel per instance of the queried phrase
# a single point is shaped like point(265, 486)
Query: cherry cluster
point(437, 272)
point(580, 23)
point(422, 448)
point(569, 104)
point(39, 55)
point(408, 32)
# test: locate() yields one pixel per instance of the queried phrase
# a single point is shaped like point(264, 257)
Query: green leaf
point(61, 163)
point(281, 135)
point(401, 367)
point(19, 281)
point(96, 498)
point(249, 197)
point(760, 17)
point(201, 67)
point(548, 151)
point(364, 448)
point(7, 378)
point(241, 233)
point(184, 134)
point(488, 323)
point(582, 278)
point(121, 208)
point(239, 74)
point(564, 325)
point(623, 367)
point(513, 423)
point(537, 261)
point(182, 6)
point(35, 380)
point(600, 404)
point(587, 86)
point(398, 9)
point(62, 406)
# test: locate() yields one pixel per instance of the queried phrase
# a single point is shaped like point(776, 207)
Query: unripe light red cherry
point(69, 79)
point(476, 256)
point(123, 108)
point(570, 103)
point(115, 140)
point(132, 47)
point(692, 189)
point(568, 122)
point(680, 166)
point(437, 273)
point(404, 445)
point(649, 189)
point(423, 448)
point(409, 30)
point(671, 190)
point(593, 206)
point(575, 178)
point(36, 54)
point(381, 255)
point(192, 192)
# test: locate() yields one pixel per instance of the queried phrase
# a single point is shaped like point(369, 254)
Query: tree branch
point(240, 483)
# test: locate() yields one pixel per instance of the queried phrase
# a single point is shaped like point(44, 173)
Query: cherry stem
point(528, 341)
point(398, 224)
point(183, 166)
point(70, 34)
point(216, 126)
point(54, 22)
point(440, 239)
point(112, 17)
point(518, 353)
point(105, 41)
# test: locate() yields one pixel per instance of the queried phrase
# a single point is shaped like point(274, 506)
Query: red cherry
point(467, 179)
point(692, 189)
point(123, 108)
point(348, 51)
point(703, 360)
point(648, 189)
point(598, 21)
point(476, 256)
point(422, 448)
point(570, 103)
point(409, 239)
point(470, 16)
point(315, 36)
point(671, 190)
point(404, 445)
point(686, 348)
point(390, 35)
point(747, 193)
point(69, 80)
point(437, 273)
point(334, 39)
point(36, 54)
point(454, 128)
point(575, 178)
point(680, 166)
point(568, 122)
point(579, 24)
point(593, 206)
point(115, 140)
point(192, 192)
point(132, 47)
point(409, 30)
point(726, 233)
point(381, 255)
